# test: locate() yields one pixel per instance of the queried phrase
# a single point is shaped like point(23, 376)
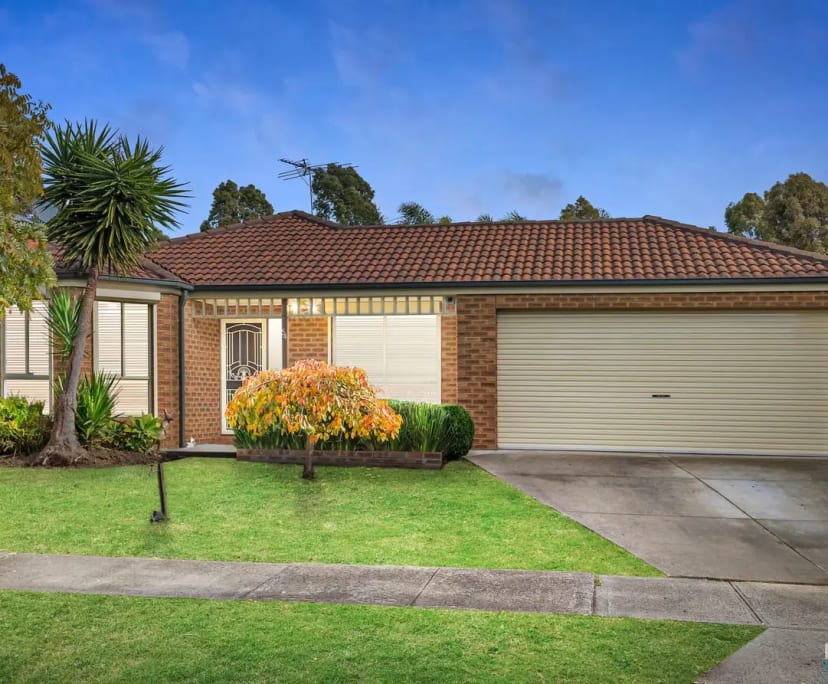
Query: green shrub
point(275, 438)
point(459, 432)
point(23, 427)
point(422, 427)
point(95, 413)
point(63, 320)
point(142, 434)
point(446, 428)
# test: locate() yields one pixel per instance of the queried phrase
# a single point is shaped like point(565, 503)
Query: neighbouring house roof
point(295, 249)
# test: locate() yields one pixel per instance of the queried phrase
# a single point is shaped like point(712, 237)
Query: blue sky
point(469, 106)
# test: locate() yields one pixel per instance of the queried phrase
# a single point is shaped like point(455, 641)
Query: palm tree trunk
point(63, 443)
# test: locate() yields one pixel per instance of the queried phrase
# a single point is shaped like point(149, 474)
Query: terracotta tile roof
point(295, 249)
point(146, 270)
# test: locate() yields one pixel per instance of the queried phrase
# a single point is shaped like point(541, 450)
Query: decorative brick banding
point(374, 459)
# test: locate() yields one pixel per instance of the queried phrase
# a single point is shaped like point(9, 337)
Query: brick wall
point(477, 365)
point(203, 379)
point(167, 364)
point(307, 339)
point(448, 359)
point(477, 332)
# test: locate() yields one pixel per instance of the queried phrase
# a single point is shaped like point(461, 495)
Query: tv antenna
point(303, 169)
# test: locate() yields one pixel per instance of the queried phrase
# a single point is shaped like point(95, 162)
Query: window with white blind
point(26, 359)
point(123, 347)
point(400, 354)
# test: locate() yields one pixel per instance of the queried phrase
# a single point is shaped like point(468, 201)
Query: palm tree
point(412, 214)
point(513, 216)
point(113, 198)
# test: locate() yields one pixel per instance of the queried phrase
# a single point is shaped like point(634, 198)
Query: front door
point(243, 355)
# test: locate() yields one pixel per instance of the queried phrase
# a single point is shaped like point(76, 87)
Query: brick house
point(625, 334)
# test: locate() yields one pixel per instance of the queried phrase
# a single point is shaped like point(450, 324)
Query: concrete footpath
point(791, 650)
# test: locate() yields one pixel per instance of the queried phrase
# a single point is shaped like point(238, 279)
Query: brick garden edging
point(374, 459)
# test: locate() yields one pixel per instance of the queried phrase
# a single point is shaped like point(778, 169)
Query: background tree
point(234, 204)
point(745, 216)
point(513, 216)
point(582, 210)
point(340, 194)
point(113, 198)
point(411, 214)
point(25, 262)
point(793, 213)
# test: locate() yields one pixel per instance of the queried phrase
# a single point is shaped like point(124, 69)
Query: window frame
point(28, 375)
point(151, 351)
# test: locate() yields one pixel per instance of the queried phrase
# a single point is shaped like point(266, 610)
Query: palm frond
point(114, 198)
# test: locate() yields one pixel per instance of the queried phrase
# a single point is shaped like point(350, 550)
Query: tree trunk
point(307, 471)
point(63, 446)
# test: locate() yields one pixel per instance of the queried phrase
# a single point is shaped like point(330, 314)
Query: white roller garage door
point(400, 354)
point(721, 382)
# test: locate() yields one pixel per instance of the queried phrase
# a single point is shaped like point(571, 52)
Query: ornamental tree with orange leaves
point(306, 405)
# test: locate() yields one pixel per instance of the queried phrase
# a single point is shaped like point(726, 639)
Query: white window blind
point(123, 343)
point(400, 354)
point(26, 355)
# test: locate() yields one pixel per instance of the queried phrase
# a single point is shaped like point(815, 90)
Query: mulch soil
point(95, 458)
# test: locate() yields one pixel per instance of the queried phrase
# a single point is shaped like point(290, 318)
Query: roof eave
point(158, 282)
point(286, 287)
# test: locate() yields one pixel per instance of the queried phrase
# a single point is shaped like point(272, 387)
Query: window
point(400, 354)
point(123, 347)
point(26, 358)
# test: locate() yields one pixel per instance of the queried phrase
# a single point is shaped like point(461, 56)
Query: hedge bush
point(446, 428)
point(423, 427)
point(23, 427)
point(458, 435)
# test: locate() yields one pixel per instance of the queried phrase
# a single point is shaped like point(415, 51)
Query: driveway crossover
point(735, 518)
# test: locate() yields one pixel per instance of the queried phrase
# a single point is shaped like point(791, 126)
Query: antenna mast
point(303, 169)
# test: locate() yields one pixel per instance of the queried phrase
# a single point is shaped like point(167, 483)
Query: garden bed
point(96, 458)
point(376, 459)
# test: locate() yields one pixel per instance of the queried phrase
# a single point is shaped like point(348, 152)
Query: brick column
point(448, 359)
point(477, 365)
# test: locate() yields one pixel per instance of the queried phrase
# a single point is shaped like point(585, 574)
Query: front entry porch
point(405, 343)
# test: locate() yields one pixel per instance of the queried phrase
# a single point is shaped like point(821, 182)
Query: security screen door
point(243, 346)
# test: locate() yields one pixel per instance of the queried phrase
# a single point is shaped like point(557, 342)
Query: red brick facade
point(448, 359)
point(203, 379)
point(477, 332)
point(468, 348)
point(166, 363)
point(307, 339)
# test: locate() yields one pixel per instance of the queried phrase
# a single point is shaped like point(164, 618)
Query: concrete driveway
point(759, 518)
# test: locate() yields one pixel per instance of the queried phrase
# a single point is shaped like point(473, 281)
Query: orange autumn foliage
point(314, 400)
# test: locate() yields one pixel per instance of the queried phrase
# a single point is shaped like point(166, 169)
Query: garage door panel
point(752, 382)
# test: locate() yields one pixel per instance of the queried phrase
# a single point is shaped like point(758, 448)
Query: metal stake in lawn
point(160, 516)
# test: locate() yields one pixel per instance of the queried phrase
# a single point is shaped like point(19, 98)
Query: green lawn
point(61, 637)
point(226, 510)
